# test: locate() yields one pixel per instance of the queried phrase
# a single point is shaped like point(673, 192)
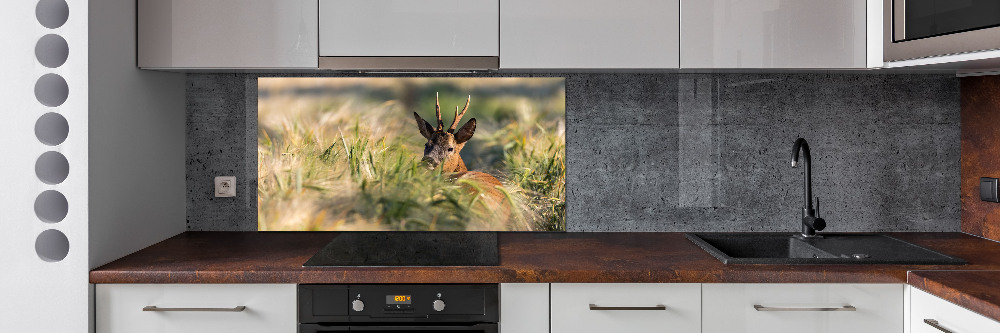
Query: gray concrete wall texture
point(682, 152)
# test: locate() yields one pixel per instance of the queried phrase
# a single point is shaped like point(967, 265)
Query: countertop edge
point(930, 282)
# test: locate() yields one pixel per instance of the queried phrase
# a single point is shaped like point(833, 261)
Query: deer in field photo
point(442, 150)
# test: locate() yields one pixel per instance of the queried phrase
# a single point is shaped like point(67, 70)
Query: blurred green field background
point(343, 154)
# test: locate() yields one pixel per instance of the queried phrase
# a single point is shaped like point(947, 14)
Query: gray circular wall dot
point(52, 245)
point(51, 206)
point(51, 90)
point(51, 129)
point(52, 13)
point(52, 168)
point(51, 51)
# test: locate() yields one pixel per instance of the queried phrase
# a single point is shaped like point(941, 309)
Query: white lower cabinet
point(802, 308)
point(524, 308)
point(626, 307)
point(930, 314)
point(196, 308)
point(570, 308)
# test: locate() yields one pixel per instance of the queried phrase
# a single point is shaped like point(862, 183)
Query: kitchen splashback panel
point(682, 152)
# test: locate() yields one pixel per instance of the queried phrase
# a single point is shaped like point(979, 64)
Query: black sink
point(787, 248)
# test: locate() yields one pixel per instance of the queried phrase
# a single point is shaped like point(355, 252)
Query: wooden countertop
point(277, 257)
point(978, 291)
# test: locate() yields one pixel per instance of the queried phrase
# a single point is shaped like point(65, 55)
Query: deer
point(443, 147)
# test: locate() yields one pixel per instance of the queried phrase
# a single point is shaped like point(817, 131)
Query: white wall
point(137, 187)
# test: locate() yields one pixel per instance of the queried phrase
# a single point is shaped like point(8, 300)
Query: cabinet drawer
point(729, 308)
point(626, 307)
point(269, 308)
point(948, 315)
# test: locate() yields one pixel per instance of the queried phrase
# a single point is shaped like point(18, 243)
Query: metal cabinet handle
point(233, 309)
point(935, 324)
point(631, 308)
point(759, 307)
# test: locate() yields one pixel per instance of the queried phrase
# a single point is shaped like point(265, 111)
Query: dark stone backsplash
point(682, 152)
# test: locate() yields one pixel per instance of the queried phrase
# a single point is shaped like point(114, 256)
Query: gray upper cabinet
point(582, 34)
point(509, 34)
point(407, 28)
point(409, 34)
point(221, 34)
point(780, 34)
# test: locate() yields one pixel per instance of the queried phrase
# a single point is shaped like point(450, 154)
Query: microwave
point(915, 29)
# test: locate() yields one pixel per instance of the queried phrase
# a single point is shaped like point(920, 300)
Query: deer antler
point(458, 116)
point(437, 110)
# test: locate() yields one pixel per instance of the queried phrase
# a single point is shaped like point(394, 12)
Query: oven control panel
point(398, 303)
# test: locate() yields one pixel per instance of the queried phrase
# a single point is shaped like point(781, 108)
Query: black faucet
point(810, 222)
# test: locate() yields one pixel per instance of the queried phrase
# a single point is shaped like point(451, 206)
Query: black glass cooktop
point(409, 248)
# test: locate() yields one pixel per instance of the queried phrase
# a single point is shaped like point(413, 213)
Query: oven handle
point(478, 328)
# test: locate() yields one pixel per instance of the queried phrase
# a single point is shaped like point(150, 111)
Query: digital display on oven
point(397, 299)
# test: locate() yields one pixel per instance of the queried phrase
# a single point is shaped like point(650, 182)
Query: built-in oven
point(388, 308)
point(927, 28)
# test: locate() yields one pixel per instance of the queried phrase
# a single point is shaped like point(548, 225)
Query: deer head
point(443, 146)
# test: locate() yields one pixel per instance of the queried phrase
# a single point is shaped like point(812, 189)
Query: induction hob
point(409, 248)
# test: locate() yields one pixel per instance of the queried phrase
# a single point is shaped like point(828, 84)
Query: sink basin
point(786, 248)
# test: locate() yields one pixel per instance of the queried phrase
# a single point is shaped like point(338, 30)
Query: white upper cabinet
point(407, 28)
point(779, 33)
point(589, 34)
point(227, 34)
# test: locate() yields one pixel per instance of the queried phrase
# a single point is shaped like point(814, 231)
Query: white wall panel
point(123, 125)
point(38, 294)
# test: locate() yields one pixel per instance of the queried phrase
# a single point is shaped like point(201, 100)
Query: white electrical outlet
point(225, 186)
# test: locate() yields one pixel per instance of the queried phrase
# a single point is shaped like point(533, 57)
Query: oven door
point(927, 28)
point(472, 328)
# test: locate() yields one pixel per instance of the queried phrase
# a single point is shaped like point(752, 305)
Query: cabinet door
point(773, 34)
point(802, 308)
point(524, 308)
point(589, 34)
point(626, 307)
point(951, 317)
point(227, 34)
point(406, 28)
point(269, 308)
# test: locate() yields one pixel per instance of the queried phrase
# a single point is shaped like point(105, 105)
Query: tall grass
point(350, 163)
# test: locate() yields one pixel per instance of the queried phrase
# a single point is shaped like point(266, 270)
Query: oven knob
point(358, 305)
point(438, 305)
